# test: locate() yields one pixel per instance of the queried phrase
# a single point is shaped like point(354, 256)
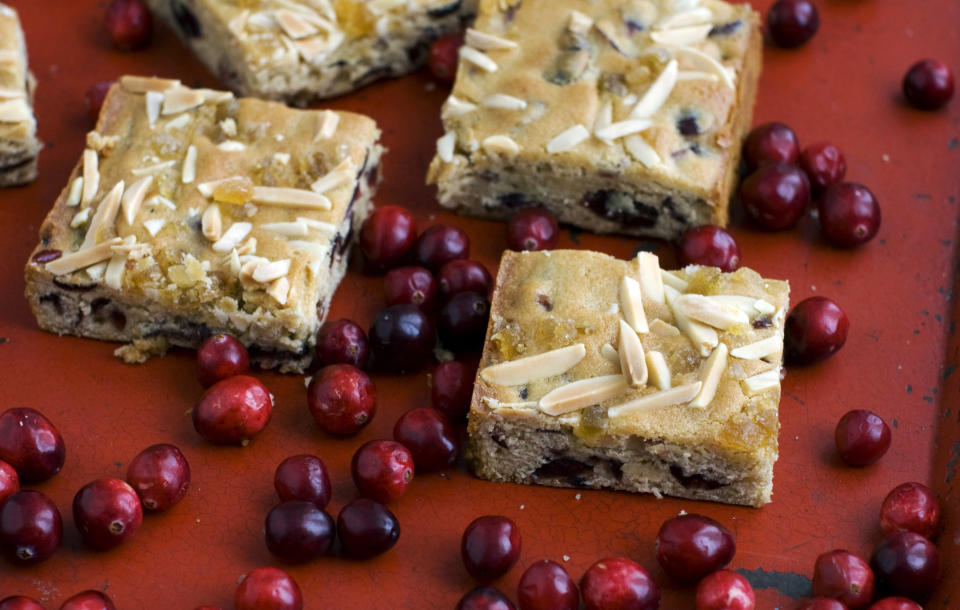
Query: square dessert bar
point(18, 127)
point(620, 116)
point(603, 373)
point(192, 212)
point(299, 50)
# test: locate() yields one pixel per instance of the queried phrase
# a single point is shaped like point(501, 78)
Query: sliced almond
point(446, 145)
point(104, 217)
point(673, 281)
point(133, 198)
point(504, 102)
point(181, 99)
point(568, 139)
point(610, 353)
point(99, 142)
point(179, 122)
point(632, 361)
point(663, 329)
point(744, 304)
point(712, 64)
point(153, 169)
point(651, 282)
point(271, 271)
point(764, 307)
point(712, 371)
point(189, 165)
point(487, 42)
point(457, 107)
point(229, 127)
point(641, 151)
point(579, 23)
point(329, 120)
point(249, 247)
point(91, 176)
point(659, 371)
point(501, 145)
point(342, 174)
point(82, 258)
point(703, 309)
point(475, 57)
point(495, 404)
point(161, 200)
point(762, 381)
point(604, 117)
point(76, 191)
point(211, 223)
point(143, 84)
point(581, 394)
point(294, 25)
point(685, 75)
point(657, 94)
point(524, 370)
point(153, 101)
point(694, 16)
point(80, 218)
point(97, 270)
point(232, 237)
point(623, 128)
point(319, 225)
point(280, 290)
point(703, 338)
point(290, 197)
point(682, 35)
point(113, 275)
point(154, 225)
point(657, 400)
point(759, 349)
point(231, 146)
point(287, 229)
point(631, 304)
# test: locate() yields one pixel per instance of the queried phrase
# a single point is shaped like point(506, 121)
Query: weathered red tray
point(900, 359)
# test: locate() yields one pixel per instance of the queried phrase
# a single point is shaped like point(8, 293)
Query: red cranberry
point(30, 527)
point(382, 470)
point(815, 329)
point(822, 603)
point(233, 410)
point(107, 512)
point(367, 528)
point(20, 602)
point(843, 576)
point(303, 477)
point(219, 357)
point(268, 589)
point(725, 590)
point(129, 24)
point(792, 22)
point(439, 245)
point(485, 597)
point(45, 256)
point(452, 389)
point(9, 481)
point(443, 56)
point(490, 546)
point(862, 437)
point(770, 143)
point(94, 98)
point(428, 435)
point(912, 507)
point(402, 339)
point(849, 214)
point(298, 531)
point(410, 286)
point(907, 564)
point(462, 323)
point(824, 165)
point(463, 275)
point(928, 84)
point(342, 399)
point(89, 600)
point(617, 582)
point(547, 586)
point(31, 444)
point(895, 603)
point(775, 196)
point(342, 342)
point(387, 236)
point(160, 475)
point(532, 229)
point(708, 245)
point(691, 546)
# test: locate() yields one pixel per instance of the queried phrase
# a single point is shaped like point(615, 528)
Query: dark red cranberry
point(160, 475)
point(382, 470)
point(532, 229)
point(849, 214)
point(20, 602)
point(490, 546)
point(30, 527)
point(895, 603)
point(462, 323)
point(208, 608)
point(429, 436)
point(928, 84)
point(862, 437)
point(342, 342)
point(342, 399)
point(443, 56)
point(94, 100)
point(907, 564)
point(452, 388)
point(843, 576)
point(31, 444)
point(387, 237)
point(107, 512)
point(708, 245)
point(303, 477)
point(410, 286)
point(617, 582)
point(770, 143)
point(911, 507)
point(233, 410)
point(45, 256)
point(129, 24)
point(463, 275)
point(792, 22)
point(824, 165)
point(691, 546)
point(402, 339)
point(546, 586)
point(9, 481)
point(725, 590)
point(221, 356)
point(298, 531)
point(268, 589)
point(815, 329)
point(367, 528)
point(485, 597)
point(439, 245)
point(822, 603)
point(776, 195)
point(89, 600)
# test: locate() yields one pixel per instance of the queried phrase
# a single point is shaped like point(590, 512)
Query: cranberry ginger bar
point(18, 128)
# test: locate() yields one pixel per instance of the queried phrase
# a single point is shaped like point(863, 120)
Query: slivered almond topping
point(154, 225)
point(80, 218)
point(178, 122)
point(287, 229)
point(133, 198)
point(446, 145)
point(232, 262)
point(501, 145)
point(130, 247)
point(659, 371)
point(341, 174)
point(685, 75)
point(113, 275)
point(153, 100)
point(91, 177)
point(681, 35)
point(104, 217)
point(694, 16)
point(273, 270)
point(215, 96)
point(229, 127)
point(280, 290)
point(454, 106)
point(153, 169)
point(96, 271)
point(231, 146)
point(319, 225)
point(610, 353)
point(632, 361)
point(744, 304)
point(657, 94)
point(211, 223)
point(329, 120)
point(249, 247)
point(763, 381)
point(663, 329)
point(604, 117)
point(493, 403)
point(673, 281)
point(281, 158)
point(524, 370)
point(641, 151)
point(233, 236)
point(714, 66)
point(651, 283)
point(568, 139)
point(703, 309)
point(189, 165)
point(290, 197)
point(99, 142)
point(294, 25)
point(478, 59)
point(161, 200)
point(657, 400)
point(181, 99)
point(76, 191)
point(487, 42)
point(579, 23)
point(503, 101)
point(581, 394)
point(759, 349)
point(763, 306)
point(623, 128)
point(631, 304)
point(703, 338)
point(143, 84)
point(82, 258)
point(713, 369)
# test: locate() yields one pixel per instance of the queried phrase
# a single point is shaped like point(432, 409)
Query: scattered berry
point(382, 470)
point(31, 444)
point(452, 388)
point(89, 600)
point(691, 546)
point(268, 589)
point(815, 329)
point(862, 437)
point(462, 323)
point(367, 528)
point(30, 527)
point(849, 214)
point(387, 237)
point(160, 475)
point(402, 339)
point(617, 582)
point(770, 143)
point(94, 97)
point(725, 590)
point(129, 24)
point(443, 56)
point(410, 286)
point(928, 84)
point(485, 597)
point(775, 195)
point(911, 507)
point(822, 603)
point(220, 357)
point(792, 22)
point(439, 245)
point(490, 546)
point(20, 602)
point(342, 342)
point(9, 481)
point(463, 275)
point(342, 399)
point(546, 586)
point(233, 410)
point(303, 477)
point(298, 531)
point(107, 512)
point(906, 564)
point(895, 603)
point(708, 245)
point(429, 436)
point(824, 165)
point(844, 577)
point(532, 229)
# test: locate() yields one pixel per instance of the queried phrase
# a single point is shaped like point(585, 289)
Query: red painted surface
point(899, 360)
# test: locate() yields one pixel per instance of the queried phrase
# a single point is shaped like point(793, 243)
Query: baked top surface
point(16, 114)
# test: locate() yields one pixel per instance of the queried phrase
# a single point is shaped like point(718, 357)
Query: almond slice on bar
point(631, 304)
point(495, 404)
point(104, 217)
point(133, 198)
point(329, 121)
point(76, 191)
point(759, 349)
point(83, 258)
point(651, 282)
point(154, 225)
point(15, 111)
point(501, 145)
point(695, 16)
point(287, 229)
point(503, 102)
point(703, 338)
point(713, 368)
point(113, 275)
point(762, 381)
point(189, 165)
point(657, 94)
point(764, 307)
point(181, 99)
point(657, 400)
point(341, 174)
point(475, 57)
point(454, 106)
point(279, 289)
point(610, 353)
point(487, 42)
point(717, 315)
point(232, 237)
point(294, 25)
point(446, 144)
point(659, 371)
point(290, 197)
point(211, 223)
point(641, 151)
point(711, 63)
point(579, 23)
point(621, 129)
point(673, 281)
point(744, 304)
point(524, 370)
point(581, 394)
point(143, 84)
point(632, 361)
point(681, 36)
point(663, 329)
point(91, 176)
point(271, 271)
point(153, 101)
point(568, 139)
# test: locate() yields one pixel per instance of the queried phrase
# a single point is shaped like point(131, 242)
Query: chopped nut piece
point(76, 191)
point(179, 122)
point(579, 23)
point(763, 381)
point(478, 59)
point(153, 100)
point(133, 198)
point(456, 107)
point(189, 165)
point(665, 398)
point(232, 237)
point(524, 370)
point(631, 304)
point(703, 338)
point(91, 177)
point(505, 102)
point(610, 353)
point(229, 127)
point(673, 281)
point(80, 218)
point(663, 329)
point(248, 247)
point(154, 225)
point(231, 146)
point(113, 275)
point(341, 174)
point(272, 270)
point(681, 36)
point(104, 217)
point(501, 145)
point(623, 128)
point(641, 151)
point(657, 94)
point(713, 369)
point(181, 99)
point(581, 394)
point(280, 290)
point(487, 42)
point(659, 371)
point(290, 197)
point(651, 283)
point(294, 25)
point(100, 142)
point(328, 125)
point(706, 310)
point(568, 139)
point(759, 349)
point(82, 258)
point(211, 223)
point(446, 145)
point(632, 361)
point(143, 84)
point(15, 111)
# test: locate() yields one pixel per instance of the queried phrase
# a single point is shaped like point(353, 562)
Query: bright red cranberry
point(303, 477)
point(490, 546)
point(342, 342)
point(822, 603)
point(462, 323)
point(30, 527)
point(907, 564)
point(442, 59)
point(815, 329)
point(410, 286)
point(928, 84)
point(268, 589)
point(708, 245)
point(298, 531)
point(532, 229)
point(485, 597)
point(31, 444)
point(20, 602)
point(342, 399)
point(439, 245)
point(94, 98)
point(824, 165)
point(233, 410)
point(463, 275)
point(9, 481)
point(402, 339)
point(849, 214)
point(387, 237)
point(775, 196)
point(547, 586)
point(862, 437)
point(843, 576)
point(129, 24)
point(382, 470)
point(725, 590)
point(160, 475)
point(429, 436)
point(792, 22)
point(691, 546)
point(221, 356)
point(895, 603)
point(367, 528)
point(770, 143)
point(107, 512)
point(912, 507)
point(452, 388)
point(89, 600)
point(617, 582)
